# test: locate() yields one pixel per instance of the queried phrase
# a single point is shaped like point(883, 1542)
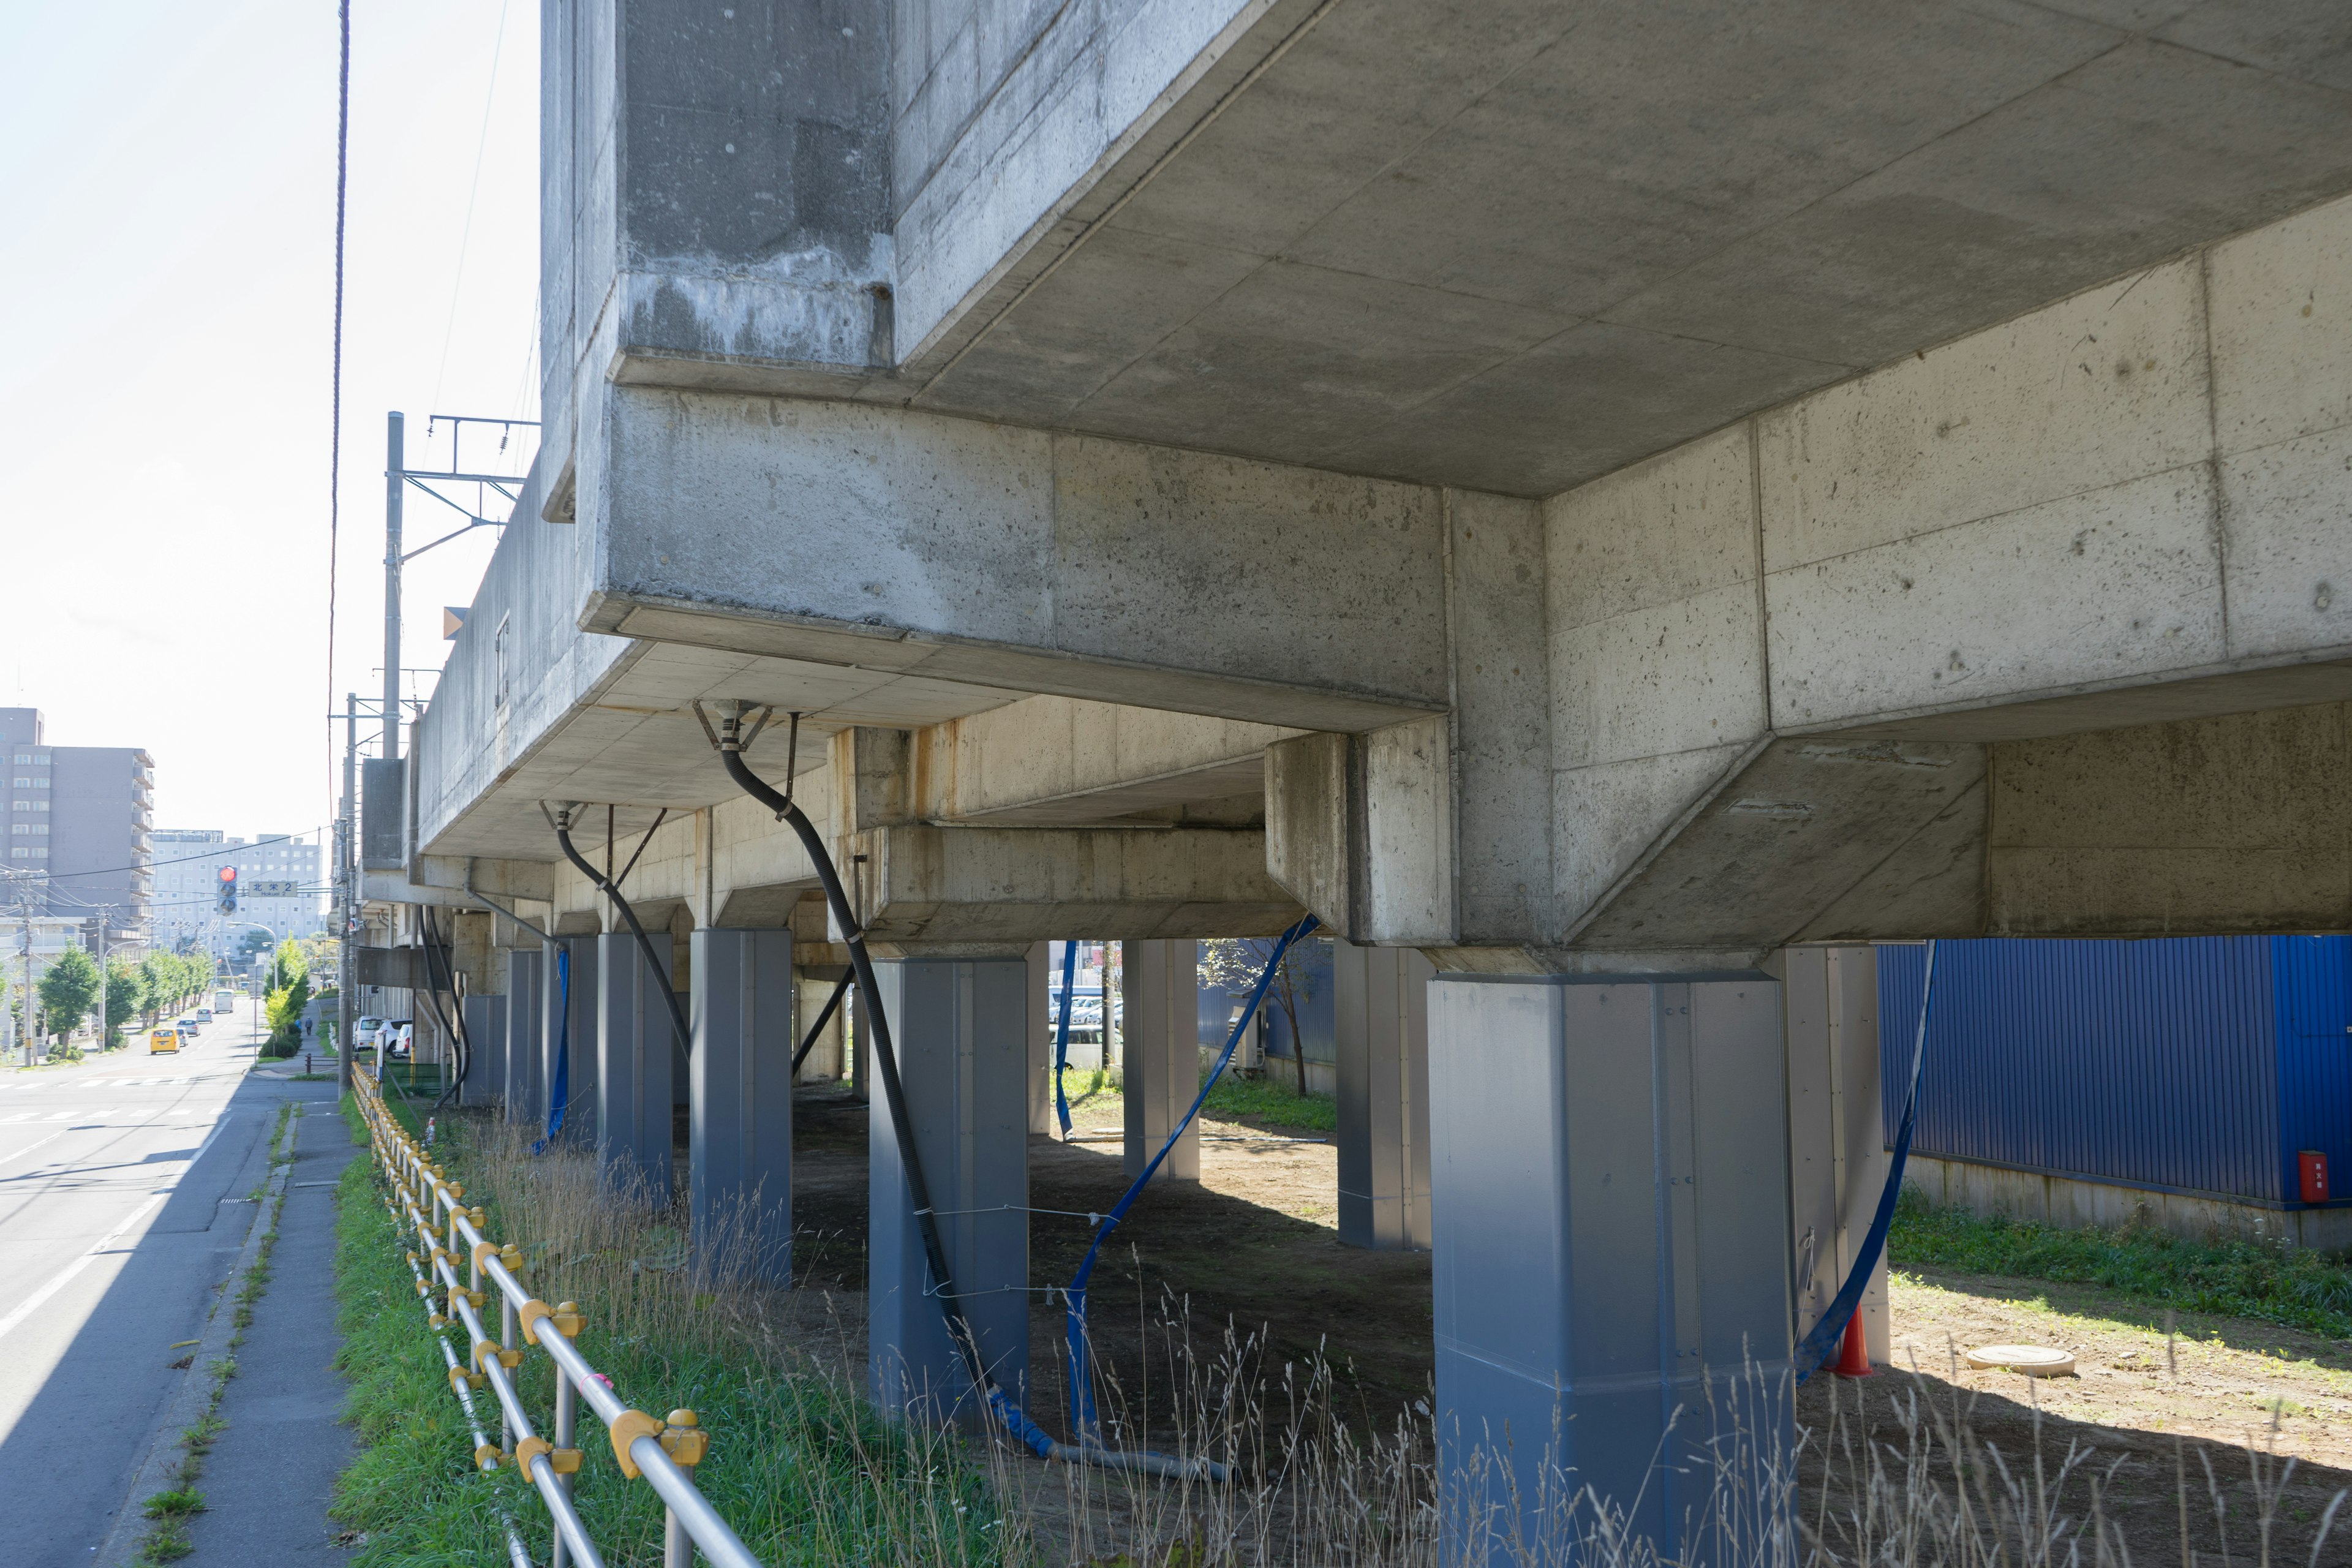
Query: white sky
point(167, 268)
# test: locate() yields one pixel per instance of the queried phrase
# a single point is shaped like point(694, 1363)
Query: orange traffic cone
point(1854, 1351)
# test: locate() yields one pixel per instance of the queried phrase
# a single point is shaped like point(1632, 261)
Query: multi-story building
point(78, 820)
point(277, 878)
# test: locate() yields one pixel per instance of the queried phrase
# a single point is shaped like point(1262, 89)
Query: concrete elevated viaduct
point(1615, 501)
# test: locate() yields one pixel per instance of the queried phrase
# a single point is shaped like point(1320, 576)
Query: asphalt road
point(124, 1184)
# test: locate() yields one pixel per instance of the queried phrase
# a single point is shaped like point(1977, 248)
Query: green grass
point(2296, 1288)
point(1265, 1100)
point(176, 1504)
point(798, 1467)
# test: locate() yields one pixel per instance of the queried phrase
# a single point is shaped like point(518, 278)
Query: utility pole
point(105, 1035)
point(395, 479)
point(24, 907)
point(347, 964)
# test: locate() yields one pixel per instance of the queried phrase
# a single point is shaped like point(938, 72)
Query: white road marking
point(40, 1297)
point(28, 1148)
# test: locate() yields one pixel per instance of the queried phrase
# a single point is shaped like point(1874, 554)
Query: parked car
point(403, 1038)
point(363, 1032)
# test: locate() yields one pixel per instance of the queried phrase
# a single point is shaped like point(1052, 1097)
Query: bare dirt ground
point(1257, 1244)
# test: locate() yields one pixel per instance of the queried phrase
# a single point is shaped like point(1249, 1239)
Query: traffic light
point(228, 889)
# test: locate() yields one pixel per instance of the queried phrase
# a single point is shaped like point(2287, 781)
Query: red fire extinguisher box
point(2314, 1167)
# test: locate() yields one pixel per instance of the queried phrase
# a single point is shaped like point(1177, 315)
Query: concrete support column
point(485, 1018)
point(1043, 978)
point(569, 1026)
point(1383, 1014)
point(961, 1027)
point(1610, 1232)
point(739, 1172)
point(526, 1098)
point(1838, 1157)
point(635, 1060)
point(1161, 1073)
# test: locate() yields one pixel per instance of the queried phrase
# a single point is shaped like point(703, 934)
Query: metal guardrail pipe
point(661, 1453)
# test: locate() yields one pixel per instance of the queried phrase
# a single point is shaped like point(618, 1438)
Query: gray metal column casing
point(1043, 977)
point(962, 1029)
point(577, 1033)
point(1382, 1008)
point(1611, 1228)
point(1838, 1156)
point(739, 1171)
point(1161, 1076)
point(634, 1064)
point(486, 1031)
point(526, 996)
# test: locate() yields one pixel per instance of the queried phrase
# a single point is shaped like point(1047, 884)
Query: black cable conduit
point(561, 822)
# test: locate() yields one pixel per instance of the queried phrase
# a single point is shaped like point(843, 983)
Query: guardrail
point(661, 1453)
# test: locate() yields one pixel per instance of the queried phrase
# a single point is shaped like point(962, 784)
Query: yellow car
point(161, 1040)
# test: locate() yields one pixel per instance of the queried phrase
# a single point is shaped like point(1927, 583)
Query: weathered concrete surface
point(929, 884)
point(1776, 651)
point(1160, 1057)
point(1516, 246)
point(2240, 823)
point(993, 556)
point(2070, 1203)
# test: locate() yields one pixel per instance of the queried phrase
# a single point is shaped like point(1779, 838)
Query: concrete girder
point(932, 885)
point(1000, 558)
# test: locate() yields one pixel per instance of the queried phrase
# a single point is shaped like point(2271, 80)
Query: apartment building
point(78, 825)
point(278, 874)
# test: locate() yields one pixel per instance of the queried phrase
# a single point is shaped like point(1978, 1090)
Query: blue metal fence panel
point(2156, 1063)
point(2312, 979)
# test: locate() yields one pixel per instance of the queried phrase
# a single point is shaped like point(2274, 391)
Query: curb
point(159, 1464)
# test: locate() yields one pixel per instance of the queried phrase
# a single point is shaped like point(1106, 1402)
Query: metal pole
point(105, 1035)
point(348, 965)
point(396, 477)
point(567, 1431)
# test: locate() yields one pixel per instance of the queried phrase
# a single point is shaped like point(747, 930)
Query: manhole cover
point(2033, 1361)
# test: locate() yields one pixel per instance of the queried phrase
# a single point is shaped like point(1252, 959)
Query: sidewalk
point(269, 1475)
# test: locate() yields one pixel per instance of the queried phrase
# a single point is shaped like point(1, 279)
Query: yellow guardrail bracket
point(485, 1349)
point(487, 1456)
point(685, 1439)
point(529, 1314)
point(511, 1256)
point(529, 1450)
point(483, 1249)
point(463, 1382)
point(626, 1429)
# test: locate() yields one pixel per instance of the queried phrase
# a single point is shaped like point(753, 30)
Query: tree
point(69, 989)
point(289, 990)
point(159, 985)
point(1233, 963)
point(126, 994)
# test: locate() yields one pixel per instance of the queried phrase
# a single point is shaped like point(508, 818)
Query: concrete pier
point(1382, 1007)
point(485, 1018)
point(1838, 1156)
point(1610, 1234)
point(961, 1027)
point(740, 1169)
point(1160, 1073)
point(569, 1025)
point(635, 1061)
point(522, 1088)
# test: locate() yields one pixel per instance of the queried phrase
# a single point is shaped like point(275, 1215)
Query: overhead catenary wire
point(335, 375)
